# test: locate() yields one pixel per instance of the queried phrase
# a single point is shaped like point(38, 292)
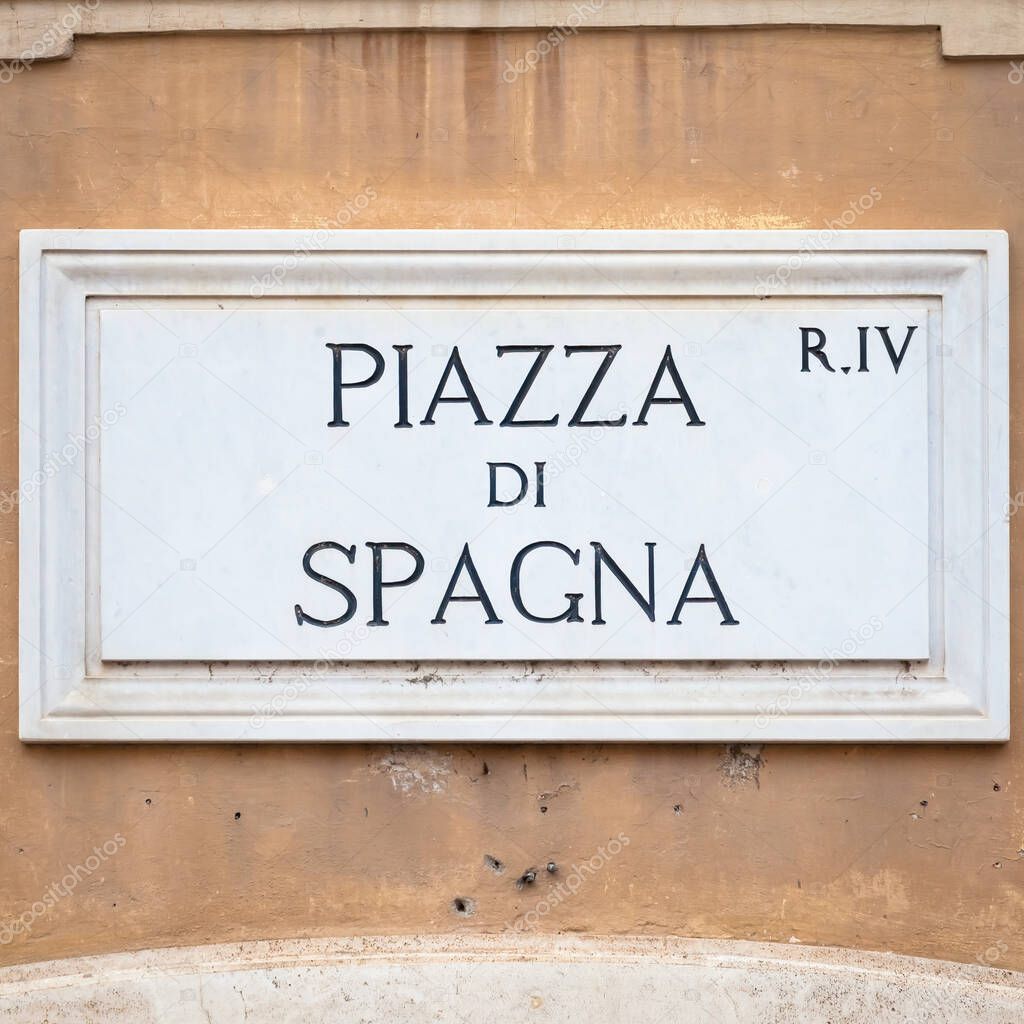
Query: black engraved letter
point(813, 350)
point(340, 383)
point(572, 613)
point(668, 365)
point(468, 394)
point(466, 562)
point(350, 599)
point(601, 557)
point(610, 352)
point(701, 562)
point(543, 351)
point(379, 583)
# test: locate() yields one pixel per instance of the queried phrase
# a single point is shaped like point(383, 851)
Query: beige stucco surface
point(917, 849)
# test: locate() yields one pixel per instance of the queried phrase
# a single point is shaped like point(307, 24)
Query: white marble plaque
point(801, 476)
point(513, 485)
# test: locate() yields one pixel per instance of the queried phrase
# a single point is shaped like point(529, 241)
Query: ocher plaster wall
point(916, 849)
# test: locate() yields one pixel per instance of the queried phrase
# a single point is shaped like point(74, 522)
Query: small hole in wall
point(463, 906)
point(494, 864)
point(238, 814)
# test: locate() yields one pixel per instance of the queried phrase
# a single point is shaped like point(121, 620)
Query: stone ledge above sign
point(46, 29)
point(514, 486)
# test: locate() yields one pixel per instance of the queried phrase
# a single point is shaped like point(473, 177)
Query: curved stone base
point(507, 978)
